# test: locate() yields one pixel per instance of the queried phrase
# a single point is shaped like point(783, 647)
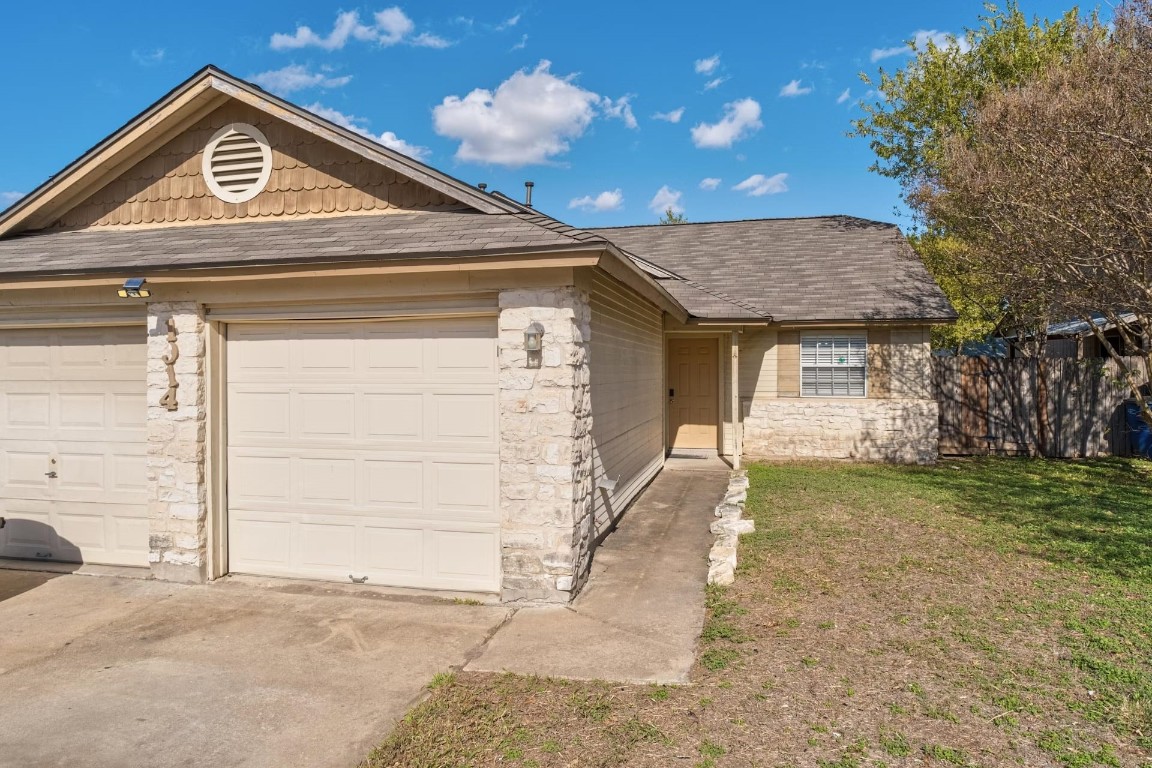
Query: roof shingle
point(818, 269)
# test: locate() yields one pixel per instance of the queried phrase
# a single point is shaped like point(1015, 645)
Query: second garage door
point(365, 449)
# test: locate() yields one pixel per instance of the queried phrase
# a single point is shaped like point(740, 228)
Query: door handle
point(50, 474)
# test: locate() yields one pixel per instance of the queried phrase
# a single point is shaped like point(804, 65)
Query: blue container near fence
point(1139, 433)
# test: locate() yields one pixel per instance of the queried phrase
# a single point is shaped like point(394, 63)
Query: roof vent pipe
point(482, 186)
point(528, 193)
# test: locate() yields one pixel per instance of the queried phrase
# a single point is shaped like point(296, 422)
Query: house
point(237, 338)
point(1075, 338)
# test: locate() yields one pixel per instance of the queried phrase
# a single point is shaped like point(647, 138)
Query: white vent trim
point(237, 163)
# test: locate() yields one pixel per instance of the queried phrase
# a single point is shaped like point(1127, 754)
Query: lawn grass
point(979, 612)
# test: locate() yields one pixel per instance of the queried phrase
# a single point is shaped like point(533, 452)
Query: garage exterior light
point(134, 289)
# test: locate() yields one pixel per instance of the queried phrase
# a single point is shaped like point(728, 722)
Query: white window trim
point(800, 353)
point(265, 172)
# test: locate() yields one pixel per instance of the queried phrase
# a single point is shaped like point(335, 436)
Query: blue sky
point(614, 109)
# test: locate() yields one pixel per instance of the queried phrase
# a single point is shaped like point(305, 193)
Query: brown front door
point(693, 405)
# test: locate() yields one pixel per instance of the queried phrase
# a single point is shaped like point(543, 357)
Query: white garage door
point(365, 449)
point(72, 476)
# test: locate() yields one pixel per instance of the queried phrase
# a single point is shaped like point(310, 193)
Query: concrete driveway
point(117, 672)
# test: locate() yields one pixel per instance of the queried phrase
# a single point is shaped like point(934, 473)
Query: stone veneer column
point(545, 446)
point(177, 493)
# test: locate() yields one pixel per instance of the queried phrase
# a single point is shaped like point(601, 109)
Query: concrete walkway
point(640, 616)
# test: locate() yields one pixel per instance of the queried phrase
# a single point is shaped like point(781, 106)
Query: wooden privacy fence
point(989, 406)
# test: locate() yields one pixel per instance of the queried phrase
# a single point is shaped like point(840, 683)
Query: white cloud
point(707, 66)
point(843, 97)
point(605, 201)
point(390, 26)
point(759, 185)
point(530, 118)
point(620, 108)
point(428, 40)
point(794, 88)
point(920, 40)
point(296, 78)
point(394, 142)
point(8, 198)
point(360, 126)
point(741, 119)
point(511, 21)
point(522, 44)
point(710, 184)
point(665, 199)
point(148, 58)
point(670, 117)
point(715, 83)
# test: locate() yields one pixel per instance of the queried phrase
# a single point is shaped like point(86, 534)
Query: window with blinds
point(833, 365)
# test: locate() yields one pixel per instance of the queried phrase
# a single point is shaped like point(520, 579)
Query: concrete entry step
point(640, 615)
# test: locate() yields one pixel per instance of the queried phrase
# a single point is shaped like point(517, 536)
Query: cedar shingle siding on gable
point(310, 177)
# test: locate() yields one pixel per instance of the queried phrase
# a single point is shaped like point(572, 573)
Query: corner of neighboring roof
point(119, 145)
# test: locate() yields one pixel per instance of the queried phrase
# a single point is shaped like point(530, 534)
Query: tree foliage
point(935, 96)
point(1050, 189)
point(671, 217)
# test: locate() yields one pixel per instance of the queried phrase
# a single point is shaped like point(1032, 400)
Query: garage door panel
point(326, 545)
point(395, 351)
point(27, 410)
point(392, 552)
point(326, 481)
point(259, 546)
point(393, 485)
point(461, 351)
point(29, 531)
point(388, 440)
point(463, 418)
point(465, 488)
point(466, 556)
point(255, 412)
point(25, 471)
point(254, 478)
point(394, 416)
point(129, 410)
point(321, 415)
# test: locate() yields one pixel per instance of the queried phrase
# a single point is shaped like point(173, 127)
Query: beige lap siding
point(627, 396)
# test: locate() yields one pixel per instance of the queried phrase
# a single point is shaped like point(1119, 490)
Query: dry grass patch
point(976, 613)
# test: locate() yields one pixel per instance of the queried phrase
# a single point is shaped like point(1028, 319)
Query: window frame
point(851, 336)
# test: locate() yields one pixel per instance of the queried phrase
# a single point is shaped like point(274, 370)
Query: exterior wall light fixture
point(134, 289)
point(534, 344)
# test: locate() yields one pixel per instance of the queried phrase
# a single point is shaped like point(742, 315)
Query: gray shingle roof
point(343, 238)
point(827, 268)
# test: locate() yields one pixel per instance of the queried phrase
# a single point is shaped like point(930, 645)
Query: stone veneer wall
point(177, 492)
point(545, 445)
point(899, 430)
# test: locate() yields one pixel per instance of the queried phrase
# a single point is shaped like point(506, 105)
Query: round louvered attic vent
point(237, 163)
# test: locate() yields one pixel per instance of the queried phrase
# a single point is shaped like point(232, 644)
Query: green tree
point(934, 99)
point(935, 95)
point(1051, 192)
point(671, 217)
